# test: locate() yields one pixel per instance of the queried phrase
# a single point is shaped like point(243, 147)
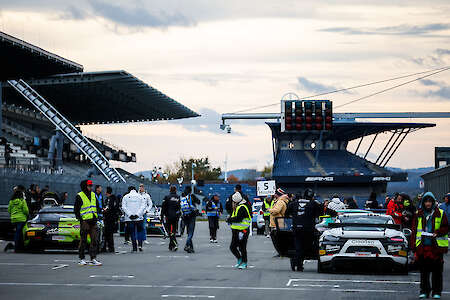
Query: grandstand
point(44, 98)
point(320, 159)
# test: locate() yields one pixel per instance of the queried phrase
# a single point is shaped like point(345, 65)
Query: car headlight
point(330, 238)
point(35, 225)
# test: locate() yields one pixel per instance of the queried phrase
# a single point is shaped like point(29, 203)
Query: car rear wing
point(385, 226)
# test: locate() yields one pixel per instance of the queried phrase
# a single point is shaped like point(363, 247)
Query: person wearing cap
point(240, 222)
point(445, 206)
point(148, 209)
point(304, 211)
point(279, 208)
point(111, 215)
point(229, 202)
point(213, 211)
point(86, 209)
point(429, 239)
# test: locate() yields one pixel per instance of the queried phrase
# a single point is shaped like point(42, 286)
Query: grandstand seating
point(329, 162)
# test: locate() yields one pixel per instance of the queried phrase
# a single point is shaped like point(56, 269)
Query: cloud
point(209, 121)
point(74, 13)
point(438, 58)
point(314, 86)
point(441, 89)
point(138, 16)
point(404, 29)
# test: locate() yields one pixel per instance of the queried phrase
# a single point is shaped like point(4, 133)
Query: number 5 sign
point(265, 188)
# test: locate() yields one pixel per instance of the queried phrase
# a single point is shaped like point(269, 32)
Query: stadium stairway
point(316, 167)
point(72, 133)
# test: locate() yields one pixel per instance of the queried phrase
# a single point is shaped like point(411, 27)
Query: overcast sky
point(225, 56)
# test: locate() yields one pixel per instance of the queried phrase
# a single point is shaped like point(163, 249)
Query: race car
point(53, 227)
point(364, 239)
point(154, 224)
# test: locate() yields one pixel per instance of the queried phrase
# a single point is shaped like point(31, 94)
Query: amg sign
point(388, 178)
point(319, 178)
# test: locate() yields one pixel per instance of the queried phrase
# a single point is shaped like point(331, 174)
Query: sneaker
point(140, 249)
point(186, 249)
point(293, 265)
point(175, 249)
point(436, 296)
point(215, 241)
point(423, 296)
point(243, 266)
point(95, 262)
point(268, 236)
point(146, 242)
point(239, 262)
point(82, 262)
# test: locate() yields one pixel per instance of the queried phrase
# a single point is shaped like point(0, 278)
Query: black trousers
point(238, 244)
point(303, 240)
point(109, 236)
point(171, 227)
point(213, 226)
point(434, 268)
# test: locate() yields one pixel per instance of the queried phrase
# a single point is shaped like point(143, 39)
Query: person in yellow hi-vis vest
point(240, 222)
point(86, 210)
point(267, 205)
point(430, 242)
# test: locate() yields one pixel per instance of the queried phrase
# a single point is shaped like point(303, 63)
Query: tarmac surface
point(157, 273)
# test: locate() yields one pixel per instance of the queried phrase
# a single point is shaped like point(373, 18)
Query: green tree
point(202, 170)
point(267, 171)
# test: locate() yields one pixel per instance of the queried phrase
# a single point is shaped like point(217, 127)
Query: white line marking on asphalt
point(228, 266)
point(196, 287)
point(59, 267)
point(112, 276)
point(315, 285)
point(172, 256)
point(66, 260)
point(188, 296)
point(120, 252)
point(291, 281)
point(25, 264)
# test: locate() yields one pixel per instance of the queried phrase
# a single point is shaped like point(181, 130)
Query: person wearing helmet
point(303, 211)
point(430, 241)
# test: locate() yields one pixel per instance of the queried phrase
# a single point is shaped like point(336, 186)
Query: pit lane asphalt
point(208, 274)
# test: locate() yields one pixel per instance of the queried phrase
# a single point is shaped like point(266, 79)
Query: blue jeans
point(18, 236)
point(142, 235)
point(135, 228)
point(189, 221)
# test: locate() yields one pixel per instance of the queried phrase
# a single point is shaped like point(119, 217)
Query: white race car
point(364, 239)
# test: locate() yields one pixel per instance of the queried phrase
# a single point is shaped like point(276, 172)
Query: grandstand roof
point(104, 97)
point(347, 131)
point(23, 60)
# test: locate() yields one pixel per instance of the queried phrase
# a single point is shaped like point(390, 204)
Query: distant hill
point(243, 174)
point(412, 185)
